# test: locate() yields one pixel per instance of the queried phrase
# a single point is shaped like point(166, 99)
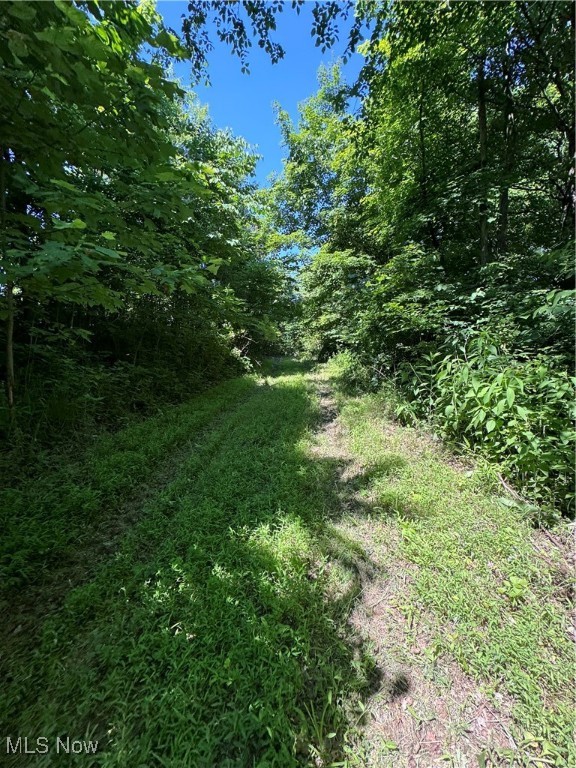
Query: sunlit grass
point(498, 608)
point(204, 641)
point(214, 632)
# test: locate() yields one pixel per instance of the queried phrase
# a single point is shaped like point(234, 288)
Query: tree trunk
point(483, 129)
point(508, 158)
point(503, 208)
point(9, 287)
point(424, 171)
point(10, 346)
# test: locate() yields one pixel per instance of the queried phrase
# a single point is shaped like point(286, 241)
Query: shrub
point(518, 412)
point(351, 374)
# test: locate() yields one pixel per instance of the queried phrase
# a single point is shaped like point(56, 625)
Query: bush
point(515, 411)
point(351, 374)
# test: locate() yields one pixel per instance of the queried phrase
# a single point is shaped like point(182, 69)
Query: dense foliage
point(274, 571)
point(132, 272)
point(444, 208)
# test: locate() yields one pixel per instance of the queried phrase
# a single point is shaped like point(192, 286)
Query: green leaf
point(168, 176)
point(64, 184)
point(83, 333)
point(72, 13)
point(17, 44)
point(24, 11)
point(74, 224)
point(171, 43)
point(510, 396)
point(107, 252)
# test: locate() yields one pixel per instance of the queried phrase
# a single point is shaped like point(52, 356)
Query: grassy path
point(205, 638)
point(468, 609)
point(255, 580)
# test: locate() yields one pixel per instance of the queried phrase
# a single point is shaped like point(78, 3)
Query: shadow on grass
point(211, 638)
point(59, 528)
point(366, 481)
point(285, 366)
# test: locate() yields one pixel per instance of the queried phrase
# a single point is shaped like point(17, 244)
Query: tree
point(124, 214)
point(238, 22)
point(459, 205)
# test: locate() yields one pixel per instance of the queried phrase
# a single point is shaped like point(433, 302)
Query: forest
point(288, 470)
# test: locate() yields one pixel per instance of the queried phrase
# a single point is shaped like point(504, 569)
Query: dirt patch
point(426, 712)
point(428, 709)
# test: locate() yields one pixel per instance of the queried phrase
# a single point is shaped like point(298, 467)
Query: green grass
point(46, 519)
point(497, 607)
point(206, 640)
point(189, 594)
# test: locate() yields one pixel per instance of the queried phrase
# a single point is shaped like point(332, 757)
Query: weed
point(203, 640)
point(494, 602)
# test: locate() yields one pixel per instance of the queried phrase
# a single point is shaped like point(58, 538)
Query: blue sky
point(244, 102)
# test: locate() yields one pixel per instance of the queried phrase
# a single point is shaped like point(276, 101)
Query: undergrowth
point(45, 518)
point(500, 610)
point(516, 413)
